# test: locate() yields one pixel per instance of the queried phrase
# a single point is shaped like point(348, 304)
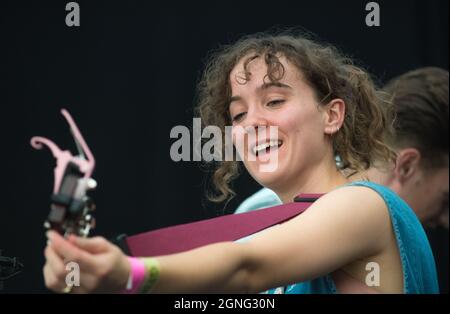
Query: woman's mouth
point(267, 147)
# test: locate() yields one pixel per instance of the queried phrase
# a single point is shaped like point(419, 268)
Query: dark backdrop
point(128, 75)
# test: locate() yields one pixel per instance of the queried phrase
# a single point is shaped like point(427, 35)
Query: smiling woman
point(322, 106)
point(302, 87)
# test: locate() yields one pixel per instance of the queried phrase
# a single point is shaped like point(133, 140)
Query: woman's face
point(289, 104)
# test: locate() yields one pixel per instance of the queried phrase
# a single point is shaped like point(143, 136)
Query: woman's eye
point(275, 102)
point(238, 117)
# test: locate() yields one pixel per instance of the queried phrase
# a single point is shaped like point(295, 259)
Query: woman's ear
point(334, 116)
point(406, 164)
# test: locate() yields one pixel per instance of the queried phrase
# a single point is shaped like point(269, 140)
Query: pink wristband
point(137, 276)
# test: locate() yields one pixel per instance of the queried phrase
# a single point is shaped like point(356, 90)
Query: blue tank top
point(419, 270)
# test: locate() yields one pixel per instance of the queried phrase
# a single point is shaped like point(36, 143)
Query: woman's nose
point(256, 118)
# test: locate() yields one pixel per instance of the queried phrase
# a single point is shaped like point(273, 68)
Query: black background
point(128, 75)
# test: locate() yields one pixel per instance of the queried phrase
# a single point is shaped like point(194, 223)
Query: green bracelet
point(151, 274)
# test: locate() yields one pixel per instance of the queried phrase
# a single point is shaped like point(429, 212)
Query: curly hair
point(368, 115)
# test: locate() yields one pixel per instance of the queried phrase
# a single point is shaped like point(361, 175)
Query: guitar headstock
point(71, 207)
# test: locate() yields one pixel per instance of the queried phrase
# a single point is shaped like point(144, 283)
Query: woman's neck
point(319, 180)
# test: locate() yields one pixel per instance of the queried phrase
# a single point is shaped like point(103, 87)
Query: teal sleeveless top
point(419, 270)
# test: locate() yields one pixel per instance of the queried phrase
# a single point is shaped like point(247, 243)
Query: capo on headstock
point(71, 207)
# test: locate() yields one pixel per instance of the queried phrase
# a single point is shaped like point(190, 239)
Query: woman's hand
point(103, 267)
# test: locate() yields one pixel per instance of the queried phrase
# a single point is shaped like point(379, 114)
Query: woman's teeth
point(266, 146)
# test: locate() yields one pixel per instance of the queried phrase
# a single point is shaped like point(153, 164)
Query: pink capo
point(86, 166)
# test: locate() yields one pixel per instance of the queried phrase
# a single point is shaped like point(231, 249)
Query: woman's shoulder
point(359, 210)
point(363, 188)
point(357, 193)
point(366, 190)
point(363, 203)
point(376, 202)
point(359, 205)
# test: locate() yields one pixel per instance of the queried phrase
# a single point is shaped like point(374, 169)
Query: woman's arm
point(341, 227)
point(215, 268)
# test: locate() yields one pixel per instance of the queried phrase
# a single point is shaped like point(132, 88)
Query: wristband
point(137, 276)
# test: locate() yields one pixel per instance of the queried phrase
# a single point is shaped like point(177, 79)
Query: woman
point(323, 106)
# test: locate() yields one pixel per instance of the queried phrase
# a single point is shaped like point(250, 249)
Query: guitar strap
point(231, 227)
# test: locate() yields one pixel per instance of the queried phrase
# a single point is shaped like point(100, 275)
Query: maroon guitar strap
point(225, 228)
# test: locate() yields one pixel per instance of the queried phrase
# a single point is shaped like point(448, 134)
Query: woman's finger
point(94, 245)
point(70, 252)
point(51, 280)
point(55, 262)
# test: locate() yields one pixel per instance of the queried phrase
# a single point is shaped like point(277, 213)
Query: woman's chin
point(266, 175)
